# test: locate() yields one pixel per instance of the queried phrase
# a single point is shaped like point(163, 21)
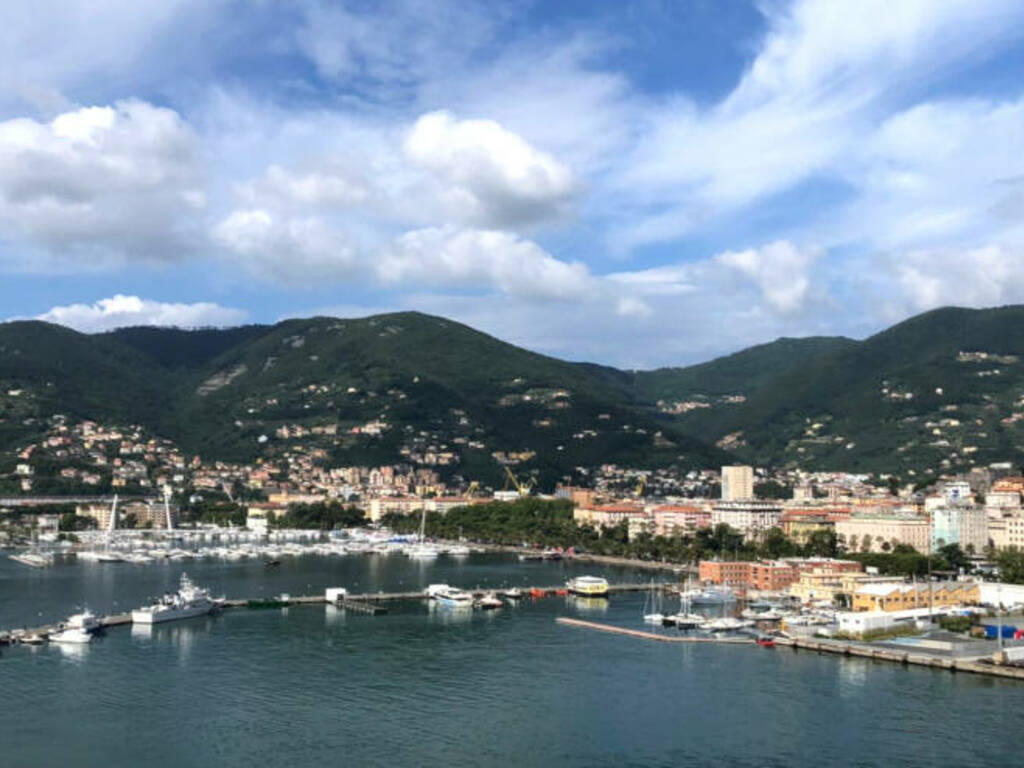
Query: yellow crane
point(473, 488)
point(523, 488)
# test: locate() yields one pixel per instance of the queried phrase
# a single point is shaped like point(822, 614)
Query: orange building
point(769, 575)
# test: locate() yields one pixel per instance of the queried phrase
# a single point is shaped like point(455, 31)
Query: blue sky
point(639, 184)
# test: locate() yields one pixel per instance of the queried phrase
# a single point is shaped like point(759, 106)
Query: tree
point(1010, 562)
point(865, 543)
point(954, 556)
point(776, 544)
point(894, 485)
point(822, 543)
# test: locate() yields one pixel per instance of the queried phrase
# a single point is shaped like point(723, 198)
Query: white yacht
point(712, 596)
point(189, 601)
point(652, 606)
point(84, 621)
point(72, 635)
point(35, 559)
point(459, 550)
point(727, 624)
point(421, 550)
point(454, 598)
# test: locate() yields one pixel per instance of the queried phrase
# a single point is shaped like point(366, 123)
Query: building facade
point(877, 533)
point(751, 518)
point(737, 483)
point(963, 525)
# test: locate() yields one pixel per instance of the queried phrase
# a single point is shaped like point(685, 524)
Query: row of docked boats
point(447, 596)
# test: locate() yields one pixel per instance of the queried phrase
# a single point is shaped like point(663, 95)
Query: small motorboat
point(73, 635)
point(489, 602)
point(765, 642)
point(514, 593)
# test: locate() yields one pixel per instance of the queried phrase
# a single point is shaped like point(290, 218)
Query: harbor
point(293, 653)
point(376, 603)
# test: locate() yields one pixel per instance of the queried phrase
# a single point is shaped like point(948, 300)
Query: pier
point(661, 638)
point(976, 665)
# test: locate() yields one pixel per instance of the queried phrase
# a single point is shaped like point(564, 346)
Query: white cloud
point(779, 269)
point(978, 277)
point(826, 74)
point(325, 186)
point(489, 175)
point(120, 311)
point(100, 183)
point(299, 250)
point(944, 173)
point(448, 256)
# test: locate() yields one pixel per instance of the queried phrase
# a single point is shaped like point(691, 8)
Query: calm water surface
point(314, 686)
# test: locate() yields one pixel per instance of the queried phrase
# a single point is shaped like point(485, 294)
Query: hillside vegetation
point(941, 391)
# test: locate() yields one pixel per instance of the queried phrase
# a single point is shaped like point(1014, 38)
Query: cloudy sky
point(639, 184)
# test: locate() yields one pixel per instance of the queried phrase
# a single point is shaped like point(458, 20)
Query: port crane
point(524, 489)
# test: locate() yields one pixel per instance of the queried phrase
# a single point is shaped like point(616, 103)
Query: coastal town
point(822, 546)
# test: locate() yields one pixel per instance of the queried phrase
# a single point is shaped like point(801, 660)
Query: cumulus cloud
point(488, 258)
point(102, 182)
point(327, 186)
point(120, 311)
point(779, 269)
point(298, 250)
point(487, 174)
point(977, 277)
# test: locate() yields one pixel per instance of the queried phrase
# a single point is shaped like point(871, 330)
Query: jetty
point(661, 638)
point(975, 665)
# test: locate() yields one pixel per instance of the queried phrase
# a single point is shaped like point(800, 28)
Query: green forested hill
point(939, 391)
point(936, 392)
point(398, 387)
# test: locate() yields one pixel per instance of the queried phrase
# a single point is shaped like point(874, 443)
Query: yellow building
point(828, 583)
point(903, 597)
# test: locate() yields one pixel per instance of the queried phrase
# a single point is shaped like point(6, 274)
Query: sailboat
point(421, 550)
point(652, 607)
point(684, 619)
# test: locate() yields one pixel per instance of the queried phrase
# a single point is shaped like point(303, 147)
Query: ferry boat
point(588, 586)
point(189, 601)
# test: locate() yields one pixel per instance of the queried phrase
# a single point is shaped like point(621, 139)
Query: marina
point(279, 648)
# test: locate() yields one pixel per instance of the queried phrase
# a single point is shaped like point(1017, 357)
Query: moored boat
point(588, 586)
point(489, 602)
point(72, 635)
point(188, 602)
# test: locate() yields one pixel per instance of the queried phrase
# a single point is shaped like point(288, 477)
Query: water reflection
point(73, 651)
point(589, 604)
point(852, 674)
point(448, 614)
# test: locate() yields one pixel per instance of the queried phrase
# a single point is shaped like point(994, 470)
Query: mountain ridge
point(429, 385)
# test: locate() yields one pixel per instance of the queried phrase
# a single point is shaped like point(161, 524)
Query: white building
point(958, 492)
point(752, 518)
point(963, 525)
point(737, 483)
